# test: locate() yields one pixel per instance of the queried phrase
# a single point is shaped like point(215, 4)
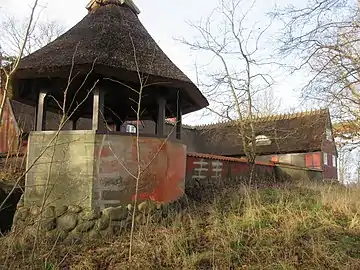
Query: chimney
point(95, 4)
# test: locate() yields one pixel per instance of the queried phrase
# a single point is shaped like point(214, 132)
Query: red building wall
point(9, 133)
point(202, 167)
point(204, 170)
point(330, 171)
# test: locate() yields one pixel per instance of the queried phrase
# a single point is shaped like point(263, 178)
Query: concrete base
point(97, 171)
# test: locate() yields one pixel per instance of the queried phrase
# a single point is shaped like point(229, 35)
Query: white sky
point(165, 20)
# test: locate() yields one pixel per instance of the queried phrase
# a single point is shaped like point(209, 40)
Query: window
point(334, 161)
point(130, 129)
point(262, 140)
point(312, 160)
point(328, 134)
point(325, 159)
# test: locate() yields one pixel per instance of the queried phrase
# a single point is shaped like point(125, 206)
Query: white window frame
point(130, 128)
point(325, 159)
point(334, 161)
point(328, 134)
point(262, 140)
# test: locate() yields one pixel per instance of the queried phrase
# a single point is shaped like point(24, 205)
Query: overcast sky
point(165, 20)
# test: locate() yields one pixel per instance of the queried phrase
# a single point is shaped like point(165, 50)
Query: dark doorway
point(7, 212)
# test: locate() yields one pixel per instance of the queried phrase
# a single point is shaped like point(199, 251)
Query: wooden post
point(178, 119)
point(160, 122)
point(41, 111)
point(98, 110)
point(118, 125)
point(74, 122)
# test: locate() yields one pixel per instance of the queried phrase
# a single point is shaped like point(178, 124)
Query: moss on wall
point(61, 172)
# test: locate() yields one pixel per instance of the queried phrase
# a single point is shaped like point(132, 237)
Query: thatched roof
point(112, 37)
point(288, 133)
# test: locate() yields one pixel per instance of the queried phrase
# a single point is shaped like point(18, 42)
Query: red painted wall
point(9, 135)
point(329, 170)
point(200, 167)
point(162, 165)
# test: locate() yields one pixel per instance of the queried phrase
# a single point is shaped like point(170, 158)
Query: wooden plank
point(178, 119)
point(98, 110)
point(160, 123)
point(41, 111)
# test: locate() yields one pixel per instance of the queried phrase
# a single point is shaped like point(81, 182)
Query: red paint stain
point(165, 175)
point(143, 197)
point(106, 152)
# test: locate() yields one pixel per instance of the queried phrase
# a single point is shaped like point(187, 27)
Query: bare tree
point(322, 40)
point(18, 39)
point(266, 103)
point(13, 31)
point(241, 71)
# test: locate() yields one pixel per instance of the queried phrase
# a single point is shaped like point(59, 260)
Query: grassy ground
point(11, 169)
point(302, 226)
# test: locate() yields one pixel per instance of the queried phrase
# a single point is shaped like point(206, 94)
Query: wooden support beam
point(74, 122)
point(41, 111)
point(118, 125)
point(160, 122)
point(178, 119)
point(98, 111)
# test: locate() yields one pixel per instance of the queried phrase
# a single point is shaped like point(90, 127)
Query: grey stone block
point(103, 222)
point(59, 211)
point(116, 213)
point(67, 222)
point(74, 209)
point(85, 226)
point(90, 215)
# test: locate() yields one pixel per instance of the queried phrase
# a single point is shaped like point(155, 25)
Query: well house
point(75, 110)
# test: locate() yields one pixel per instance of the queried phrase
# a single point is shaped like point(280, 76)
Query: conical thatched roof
point(110, 36)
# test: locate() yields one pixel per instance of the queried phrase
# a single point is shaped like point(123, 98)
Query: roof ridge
point(267, 118)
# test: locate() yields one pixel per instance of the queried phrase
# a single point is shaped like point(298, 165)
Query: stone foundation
point(73, 223)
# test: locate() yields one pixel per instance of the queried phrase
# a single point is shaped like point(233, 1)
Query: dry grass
point(11, 168)
point(306, 226)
